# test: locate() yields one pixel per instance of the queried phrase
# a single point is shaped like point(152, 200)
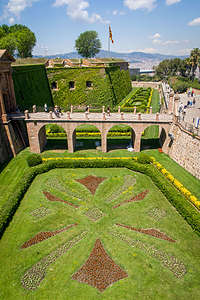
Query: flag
point(110, 34)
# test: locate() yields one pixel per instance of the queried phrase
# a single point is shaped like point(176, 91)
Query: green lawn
point(155, 102)
point(152, 264)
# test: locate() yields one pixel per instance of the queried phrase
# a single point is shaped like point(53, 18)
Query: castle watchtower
point(7, 94)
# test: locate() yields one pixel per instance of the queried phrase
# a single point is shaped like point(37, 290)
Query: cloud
point(14, 8)
point(156, 36)
point(77, 10)
point(148, 50)
point(195, 22)
point(116, 12)
point(170, 2)
point(166, 43)
point(140, 4)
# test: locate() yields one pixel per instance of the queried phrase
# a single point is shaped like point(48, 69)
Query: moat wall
point(185, 150)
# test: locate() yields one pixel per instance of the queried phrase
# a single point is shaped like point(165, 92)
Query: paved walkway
point(192, 112)
point(114, 117)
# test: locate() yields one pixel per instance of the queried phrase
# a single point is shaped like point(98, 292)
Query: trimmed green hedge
point(31, 86)
point(34, 159)
point(182, 205)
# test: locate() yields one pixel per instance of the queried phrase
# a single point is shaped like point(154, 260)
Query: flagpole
point(108, 42)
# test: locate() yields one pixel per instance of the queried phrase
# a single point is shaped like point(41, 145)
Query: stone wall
point(185, 150)
point(153, 85)
point(5, 150)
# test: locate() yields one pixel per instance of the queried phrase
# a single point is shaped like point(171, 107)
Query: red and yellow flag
point(110, 34)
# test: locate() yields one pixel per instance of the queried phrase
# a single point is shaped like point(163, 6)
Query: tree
point(88, 44)
point(194, 61)
point(25, 42)
point(17, 38)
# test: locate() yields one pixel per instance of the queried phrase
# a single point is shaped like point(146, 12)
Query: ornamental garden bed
point(106, 233)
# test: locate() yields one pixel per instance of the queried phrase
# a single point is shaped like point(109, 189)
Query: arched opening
point(153, 137)
point(87, 137)
point(120, 137)
point(55, 138)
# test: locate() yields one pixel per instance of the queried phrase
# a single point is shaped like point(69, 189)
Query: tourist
point(56, 111)
point(45, 108)
point(87, 109)
point(108, 111)
point(194, 101)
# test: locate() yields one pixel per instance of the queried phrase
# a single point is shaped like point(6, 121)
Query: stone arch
point(123, 142)
point(155, 141)
point(93, 143)
point(42, 138)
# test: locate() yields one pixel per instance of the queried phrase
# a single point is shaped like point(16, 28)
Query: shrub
point(143, 158)
point(34, 160)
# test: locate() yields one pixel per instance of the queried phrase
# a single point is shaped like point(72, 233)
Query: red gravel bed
point(44, 236)
point(91, 182)
point(51, 197)
point(138, 197)
point(154, 232)
point(100, 270)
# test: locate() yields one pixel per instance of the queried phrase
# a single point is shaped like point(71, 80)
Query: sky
point(152, 26)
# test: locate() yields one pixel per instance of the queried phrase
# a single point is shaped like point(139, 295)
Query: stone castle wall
point(185, 150)
point(144, 84)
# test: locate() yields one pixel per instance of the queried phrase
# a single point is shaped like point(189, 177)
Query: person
point(45, 108)
point(194, 101)
point(108, 110)
point(56, 111)
point(87, 108)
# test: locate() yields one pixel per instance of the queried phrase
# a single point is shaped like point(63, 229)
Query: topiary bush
point(34, 160)
point(143, 158)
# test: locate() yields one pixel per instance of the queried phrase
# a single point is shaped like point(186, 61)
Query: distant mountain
point(138, 56)
point(139, 59)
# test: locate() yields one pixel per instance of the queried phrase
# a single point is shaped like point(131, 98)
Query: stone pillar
point(104, 141)
point(176, 104)
point(150, 110)
point(122, 116)
point(139, 116)
point(71, 109)
point(34, 109)
point(104, 116)
point(70, 141)
point(33, 137)
point(157, 116)
point(137, 141)
point(3, 110)
point(103, 109)
point(68, 115)
point(26, 114)
point(171, 103)
point(135, 109)
point(119, 109)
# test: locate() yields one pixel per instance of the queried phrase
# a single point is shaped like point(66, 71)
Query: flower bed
point(177, 184)
point(167, 260)
point(138, 197)
point(153, 232)
point(99, 270)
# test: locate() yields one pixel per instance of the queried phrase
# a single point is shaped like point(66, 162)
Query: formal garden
point(91, 226)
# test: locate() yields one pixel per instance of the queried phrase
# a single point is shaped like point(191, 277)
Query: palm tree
point(194, 61)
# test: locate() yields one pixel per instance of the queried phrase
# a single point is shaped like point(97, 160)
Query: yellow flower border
point(176, 183)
